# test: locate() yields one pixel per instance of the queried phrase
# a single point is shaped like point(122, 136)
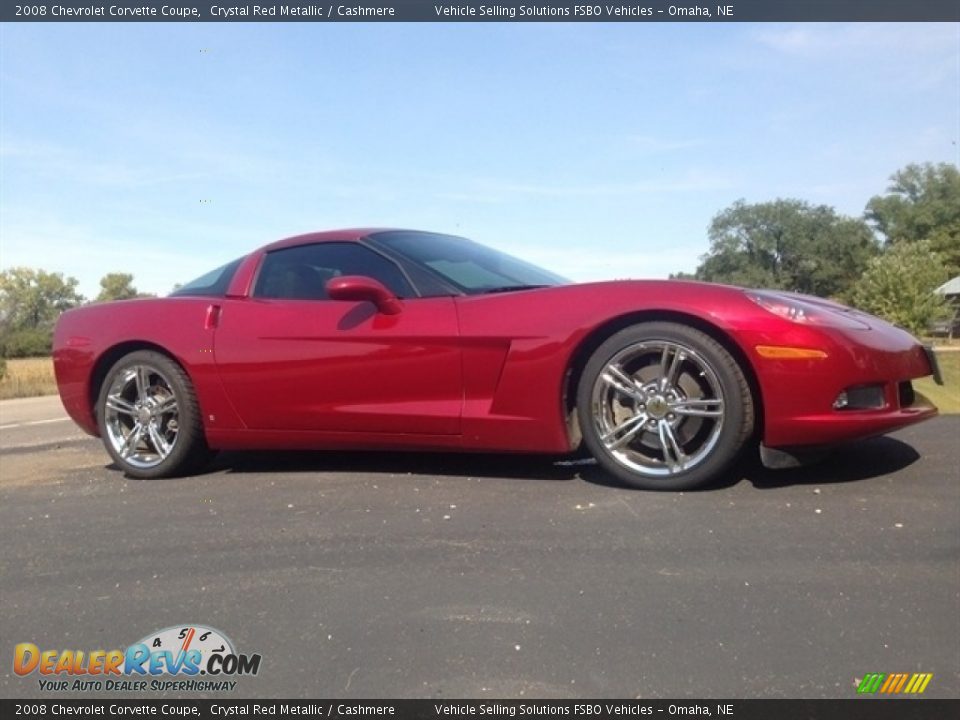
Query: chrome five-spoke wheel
point(658, 407)
point(141, 416)
point(664, 406)
point(149, 418)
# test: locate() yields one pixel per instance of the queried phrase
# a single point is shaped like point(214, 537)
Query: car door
point(291, 358)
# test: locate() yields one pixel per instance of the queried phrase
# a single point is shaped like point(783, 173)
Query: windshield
point(467, 265)
point(212, 284)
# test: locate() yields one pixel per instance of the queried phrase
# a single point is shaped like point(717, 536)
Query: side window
point(302, 272)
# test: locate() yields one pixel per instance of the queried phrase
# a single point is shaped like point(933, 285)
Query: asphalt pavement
point(383, 575)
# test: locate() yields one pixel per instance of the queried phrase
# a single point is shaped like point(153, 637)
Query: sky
point(596, 150)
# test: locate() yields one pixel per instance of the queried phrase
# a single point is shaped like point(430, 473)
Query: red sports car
point(396, 339)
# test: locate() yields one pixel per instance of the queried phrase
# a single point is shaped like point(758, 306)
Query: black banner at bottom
point(853, 709)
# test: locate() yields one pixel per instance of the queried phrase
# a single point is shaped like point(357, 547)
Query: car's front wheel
point(149, 418)
point(664, 406)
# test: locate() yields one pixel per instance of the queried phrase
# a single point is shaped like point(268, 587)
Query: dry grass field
point(28, 377)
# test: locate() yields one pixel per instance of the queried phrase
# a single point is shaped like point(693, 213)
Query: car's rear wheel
point(149, 418)
point(664, 406)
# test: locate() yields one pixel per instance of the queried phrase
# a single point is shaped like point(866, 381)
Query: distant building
point(951, 288)
point(950, 327)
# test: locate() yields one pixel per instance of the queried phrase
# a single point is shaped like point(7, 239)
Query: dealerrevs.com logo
point(186, 657)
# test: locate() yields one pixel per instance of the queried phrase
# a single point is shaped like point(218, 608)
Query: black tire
point(170, 439)
point(654, 434)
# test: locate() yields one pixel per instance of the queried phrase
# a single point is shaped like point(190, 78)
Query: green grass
point(28, 377)
point(946, 396)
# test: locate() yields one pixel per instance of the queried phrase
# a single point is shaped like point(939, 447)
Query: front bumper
point(934, 364)
point(800, 397)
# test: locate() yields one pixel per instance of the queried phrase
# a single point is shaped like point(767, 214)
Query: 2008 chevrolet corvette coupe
point(396, 339)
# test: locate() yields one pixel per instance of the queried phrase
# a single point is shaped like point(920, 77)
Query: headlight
point(805, 312)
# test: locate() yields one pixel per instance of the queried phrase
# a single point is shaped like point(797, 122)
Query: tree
point(899, 287)
point(32, 298)
point(922, 203)
point(116, 286)
point(30, 302)
point(787, 244)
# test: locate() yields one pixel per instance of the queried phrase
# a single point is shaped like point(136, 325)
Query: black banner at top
point(480, 11)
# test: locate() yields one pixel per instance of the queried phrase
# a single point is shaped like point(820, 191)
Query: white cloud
point(652, 145)
point(88, 253)
point(492, 190)
point(825, 40)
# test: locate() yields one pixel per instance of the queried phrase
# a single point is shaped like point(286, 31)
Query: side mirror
point(359, 288)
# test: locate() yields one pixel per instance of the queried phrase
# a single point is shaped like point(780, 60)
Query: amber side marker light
point(777, 352)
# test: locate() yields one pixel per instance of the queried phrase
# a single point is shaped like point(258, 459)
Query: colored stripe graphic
point(891, 681)
point(922, 680)
point(870, 683)
point(894, 683)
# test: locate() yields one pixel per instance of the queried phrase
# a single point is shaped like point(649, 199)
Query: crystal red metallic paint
point(671, 378)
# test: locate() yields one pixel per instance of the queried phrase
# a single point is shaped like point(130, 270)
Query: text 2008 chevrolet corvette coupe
point(391, 339)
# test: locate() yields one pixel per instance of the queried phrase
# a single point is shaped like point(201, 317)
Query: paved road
point(30, 422)
point(384, 575)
